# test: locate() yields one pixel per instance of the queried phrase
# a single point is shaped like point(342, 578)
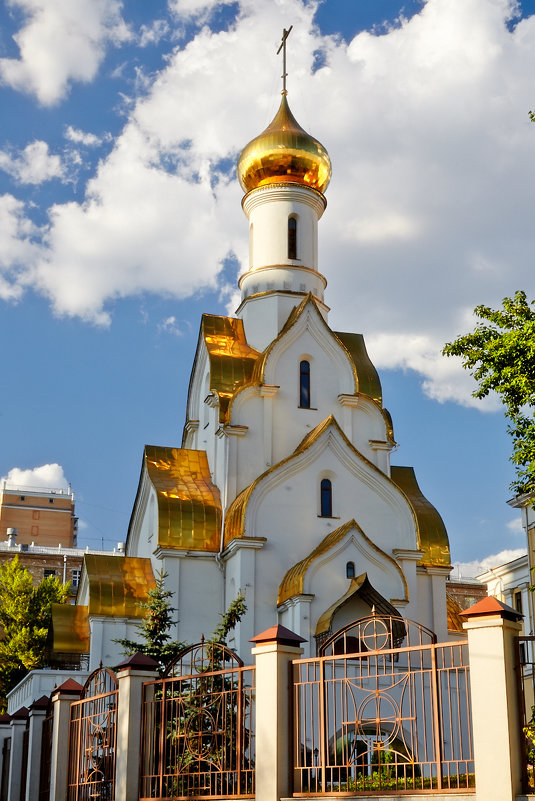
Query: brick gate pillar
point(275, 649)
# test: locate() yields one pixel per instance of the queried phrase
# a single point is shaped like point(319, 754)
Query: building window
point(49, 573)
point(304, 384)
point(23, 497)
point(75, 580)
point(350, 570)
point(51, 500)
point(35, 531)
point(518, 602)
point(35, 514)
point(326, 496)
point(292, 238)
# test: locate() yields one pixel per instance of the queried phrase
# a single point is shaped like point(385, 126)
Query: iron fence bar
point(521, 701)
point(436, 718)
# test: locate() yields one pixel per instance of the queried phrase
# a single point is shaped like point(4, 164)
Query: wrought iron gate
point(198, 728)
point(92, 738)
point(46, 754)
point(383, 708)
point(525, 677)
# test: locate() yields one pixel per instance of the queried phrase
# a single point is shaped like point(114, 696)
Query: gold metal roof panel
point(455, 618)
point(361, 586)
point(434, 540)
point(117, 584)
point(70, 629)
point(189, 503)
point(231, 359)
point(368, 382)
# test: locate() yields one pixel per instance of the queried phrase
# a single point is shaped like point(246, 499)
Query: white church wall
point(197, 583)
point(104, 630)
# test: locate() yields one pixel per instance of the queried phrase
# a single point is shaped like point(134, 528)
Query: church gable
point(354, 551)
point(286, 502)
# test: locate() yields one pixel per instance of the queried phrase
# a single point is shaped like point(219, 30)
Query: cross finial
point(282, 46)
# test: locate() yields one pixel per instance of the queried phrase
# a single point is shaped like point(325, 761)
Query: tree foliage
point(500, 354)
point(25, 616)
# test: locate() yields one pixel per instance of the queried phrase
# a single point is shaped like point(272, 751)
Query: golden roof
point(117, 584)
point(189, 504)
point(70, 629)
point(368, 382)
point(231, 358)
point(235, 517)
point(362, 587)
point(293, 582)
point(455, 618)
point(434, 540)
point(284, 153)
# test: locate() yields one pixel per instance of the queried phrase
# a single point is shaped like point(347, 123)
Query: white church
point(283, 486)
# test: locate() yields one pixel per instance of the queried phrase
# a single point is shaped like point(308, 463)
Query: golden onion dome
point(284, 153)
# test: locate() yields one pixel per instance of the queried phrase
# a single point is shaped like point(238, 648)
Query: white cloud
point(61, 41)
point(84, 138)
point(479, 566)
point(47, 476)
point(170, 326)
point(33, 165)
point(515, 525)
point(152, 34)
point(430, 206)
point(18, 247)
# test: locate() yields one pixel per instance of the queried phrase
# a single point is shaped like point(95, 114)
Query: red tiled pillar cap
point(139, 661)
point(278, 634)
point(491, 607)
point(69, 687)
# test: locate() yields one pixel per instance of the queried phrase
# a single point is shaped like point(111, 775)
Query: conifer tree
point(25, 616)
point(156, 641)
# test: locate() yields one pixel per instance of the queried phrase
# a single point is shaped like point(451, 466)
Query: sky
point(120, 223)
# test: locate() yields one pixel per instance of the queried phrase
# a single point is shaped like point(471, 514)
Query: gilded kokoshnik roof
point(231, 358)
point(70, 629)
point(368, 382)
point(117, 584)
point(189, 504)
point(434, 540)
point(293, 582)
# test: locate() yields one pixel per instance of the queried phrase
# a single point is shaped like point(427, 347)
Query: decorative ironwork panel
point(198, 728)
point(371, 716)
point(46, 754)
point(525, 675)
point(92, 739)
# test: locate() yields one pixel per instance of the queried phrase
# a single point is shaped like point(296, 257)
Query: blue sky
point(120, 221)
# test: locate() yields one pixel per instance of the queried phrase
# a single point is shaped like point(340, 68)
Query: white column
point(62, 698)
point(33, 770)
point(18, 726)
point(275, 650)
point(492, 627)
point(130, 674)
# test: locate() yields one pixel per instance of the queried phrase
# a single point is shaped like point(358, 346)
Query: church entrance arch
point(383, 708)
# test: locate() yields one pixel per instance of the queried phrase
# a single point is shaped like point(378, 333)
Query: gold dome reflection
point(284, 152)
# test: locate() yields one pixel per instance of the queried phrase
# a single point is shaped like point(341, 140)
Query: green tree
point(25, 616)
point(156, 641)
point(500, 354)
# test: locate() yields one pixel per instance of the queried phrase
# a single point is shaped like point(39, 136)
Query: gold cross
point(285, 34)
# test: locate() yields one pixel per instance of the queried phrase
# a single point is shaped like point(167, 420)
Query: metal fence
point(384, 708)
point(198, 728)
point(46, 754)
point(92, 737)
point(525, 676)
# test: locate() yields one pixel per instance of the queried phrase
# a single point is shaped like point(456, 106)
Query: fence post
point(33, 771)
point(130, 674)
point(275, 649)
point(62, 698)
point(492, 627)
point(18, 724)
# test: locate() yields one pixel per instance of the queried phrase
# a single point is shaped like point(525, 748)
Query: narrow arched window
point(304, 384)
point(326, 494)
point(350, 570)
point(292, 238)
